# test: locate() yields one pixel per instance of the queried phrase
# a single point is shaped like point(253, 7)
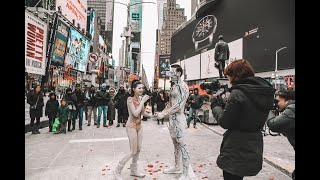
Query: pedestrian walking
point(111, 106)
point(51, 111)
point(285, 122)
point(121, 106)
point(64, 116)
point(102, 103)
point(161, 101)
point(153, 99)
point(35, 100)
point(85, 102)
point(196, 102)
point(245, 113)
point(71, 100)
point(92, 105)
point(79, 104)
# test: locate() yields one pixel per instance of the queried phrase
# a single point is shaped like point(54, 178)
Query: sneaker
point(88, 124)
point(105, 125)
point(118, 125)
point(80, 128)
point(95, 124)
point(69, 130)
point(187, 126)
point(124, 125)
point(98, 125)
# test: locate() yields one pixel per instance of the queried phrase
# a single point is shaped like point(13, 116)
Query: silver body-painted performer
point(179, 94)
point(134, 131)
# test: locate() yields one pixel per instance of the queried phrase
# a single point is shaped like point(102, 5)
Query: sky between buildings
point(148, 34)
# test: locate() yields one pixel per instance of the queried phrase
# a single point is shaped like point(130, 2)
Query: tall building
point(173, 18)
point(104, 10)
point(160, 5)
point(194, 4)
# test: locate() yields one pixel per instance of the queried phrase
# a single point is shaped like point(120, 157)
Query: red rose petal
point(150, 170)
point(160, 166)
point(150, 165)
point(194, 171)
point(200, 166)
point(150, 173)
point(156, 161)
point(103, 169)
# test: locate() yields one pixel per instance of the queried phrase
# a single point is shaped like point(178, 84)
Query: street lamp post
point(276, 67)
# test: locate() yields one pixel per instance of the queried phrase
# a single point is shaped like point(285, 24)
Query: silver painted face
point(173, 74)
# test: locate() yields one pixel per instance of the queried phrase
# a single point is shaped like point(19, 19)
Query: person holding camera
point(35, 100)
point(245, 113)
point(285, 122)
point(196, 102)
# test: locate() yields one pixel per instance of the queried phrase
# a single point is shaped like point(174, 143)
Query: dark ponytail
point(134, 84)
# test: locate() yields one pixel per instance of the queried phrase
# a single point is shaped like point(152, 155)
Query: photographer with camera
point(196, 102)
point(245, 113)
point(285, 122)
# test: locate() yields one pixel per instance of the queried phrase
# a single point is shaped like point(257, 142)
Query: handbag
point(55, 125)
point(34, 106)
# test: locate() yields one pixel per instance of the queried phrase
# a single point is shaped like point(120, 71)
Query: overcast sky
point(148, 34)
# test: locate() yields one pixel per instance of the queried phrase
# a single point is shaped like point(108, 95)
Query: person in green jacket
point(64, 115)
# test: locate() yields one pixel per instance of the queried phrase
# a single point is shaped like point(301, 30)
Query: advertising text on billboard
point(60, 44)
point(35, 44)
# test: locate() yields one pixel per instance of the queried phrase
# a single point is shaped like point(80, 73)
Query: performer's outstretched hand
point(159, 115)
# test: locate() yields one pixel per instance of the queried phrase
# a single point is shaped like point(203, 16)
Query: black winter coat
point(161, 104)
point(91, 97)
point(198, 99)
point(80, 98)
point(247, 109)
point(285, 122)
point(121, 100)
point(32, 100)
point(52, 106)
point(71, 100)
point(103, 98)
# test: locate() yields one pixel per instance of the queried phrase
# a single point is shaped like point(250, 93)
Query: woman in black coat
point(52, 109)
point(161, 101)
point(245, 113)
point(35, 100)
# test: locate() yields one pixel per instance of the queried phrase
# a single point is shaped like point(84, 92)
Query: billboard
point(262, 32)
point(136, 16)
point(77, 51)
point(74, 9)
point(60, 44)
point(35, 44)
point(91, 26)
point(164, 65)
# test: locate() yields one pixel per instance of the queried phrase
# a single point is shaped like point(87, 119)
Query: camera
point(214, 87)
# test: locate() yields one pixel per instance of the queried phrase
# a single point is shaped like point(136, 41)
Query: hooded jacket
point(52, 107)
point(121, 99)
point(245, 113)
point(285, 122)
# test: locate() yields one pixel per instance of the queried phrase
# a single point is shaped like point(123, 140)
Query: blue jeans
point(80, 114)
point(193, 114)
point(105, 110)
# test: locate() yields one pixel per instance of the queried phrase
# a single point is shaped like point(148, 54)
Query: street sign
point(135, 16)
point(93, 57)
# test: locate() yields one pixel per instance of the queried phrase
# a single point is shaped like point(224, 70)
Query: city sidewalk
point(92, 154)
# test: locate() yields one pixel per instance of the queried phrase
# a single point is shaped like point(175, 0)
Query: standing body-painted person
point(178, 96)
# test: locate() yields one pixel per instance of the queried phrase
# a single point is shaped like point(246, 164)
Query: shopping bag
point(55, 124)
